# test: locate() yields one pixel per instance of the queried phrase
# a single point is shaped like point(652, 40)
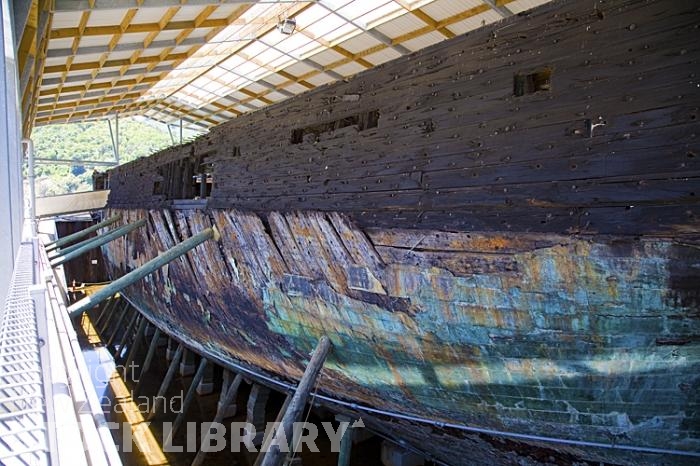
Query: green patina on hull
point(581, 338)
point(479, 256)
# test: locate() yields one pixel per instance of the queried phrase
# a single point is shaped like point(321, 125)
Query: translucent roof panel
point(381, 15)
point(519, 6)
point(421, 42)
point(236, 58)
point(474, 22)
point(440, 10)
point(320, 79)
point(382, 56)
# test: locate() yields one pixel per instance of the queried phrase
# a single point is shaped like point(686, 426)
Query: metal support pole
point(170, 132)
point(227, 397)
point(146, 269)
point(275, 457)
point(77, 235)
point(187, 401)
point(116, 137)
point(180, 130)
point(31, 175)
point(94, 243)
point(147, 363)
point(166, 382)
point(136, 343)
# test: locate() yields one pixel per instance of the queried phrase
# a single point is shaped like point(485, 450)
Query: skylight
point(252, 48)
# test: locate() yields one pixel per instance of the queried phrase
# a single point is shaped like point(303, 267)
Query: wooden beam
point(79, 5)
point(152, 61)
point(43, 28)
point(106, 315)
point(71, 203)
point(123, 25)
point(275, 457)
point(442, 23)
point(149, 359)
point(233, 17)
point(135, 28)
point(427, 19)
point(227, 396)
point(73, 104)
point(357, 57)
point(28, 40)
point(113, 63)
point(187, 400)
point(83, 114)
point(163, 389)
point(126, 109)
point(123, 312)
point(101, 85)
point(352, 56)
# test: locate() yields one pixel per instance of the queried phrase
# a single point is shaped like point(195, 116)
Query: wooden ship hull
point(497, 270)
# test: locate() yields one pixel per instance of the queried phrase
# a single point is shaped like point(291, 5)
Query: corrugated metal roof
point(209, 61)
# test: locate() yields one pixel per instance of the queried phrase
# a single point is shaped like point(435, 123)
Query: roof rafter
point(134, 28)
point(433, 26)
point(126, 20)
point(96, 77)
point(234, 16)
point(302, 79)
point(81, 5)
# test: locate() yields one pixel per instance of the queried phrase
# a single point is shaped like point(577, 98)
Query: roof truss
point(204, 62)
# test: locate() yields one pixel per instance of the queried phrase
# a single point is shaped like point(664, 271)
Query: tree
point(91, 141)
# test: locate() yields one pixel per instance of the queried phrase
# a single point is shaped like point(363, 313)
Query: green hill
point(90, 141)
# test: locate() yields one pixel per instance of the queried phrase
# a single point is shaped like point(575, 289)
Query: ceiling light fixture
point(287, 26)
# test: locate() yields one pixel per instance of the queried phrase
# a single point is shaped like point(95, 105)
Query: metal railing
point(49, 411)
point(24, 438)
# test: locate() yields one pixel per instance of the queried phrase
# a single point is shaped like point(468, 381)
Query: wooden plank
point(52, 206)
point(453, 140)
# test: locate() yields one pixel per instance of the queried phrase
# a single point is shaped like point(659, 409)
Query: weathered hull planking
point(485, 259)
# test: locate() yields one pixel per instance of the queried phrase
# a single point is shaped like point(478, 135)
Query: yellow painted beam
point(113, 63)
point(94, 101)
point(352, 56)
point(135, 28)
point(427, 19)
point(102, 85)
point(44, 7)
point(203, 21)
point(234, 16)
point(28, 40)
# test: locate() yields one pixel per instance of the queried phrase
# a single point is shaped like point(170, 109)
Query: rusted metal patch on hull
point(556, 334)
